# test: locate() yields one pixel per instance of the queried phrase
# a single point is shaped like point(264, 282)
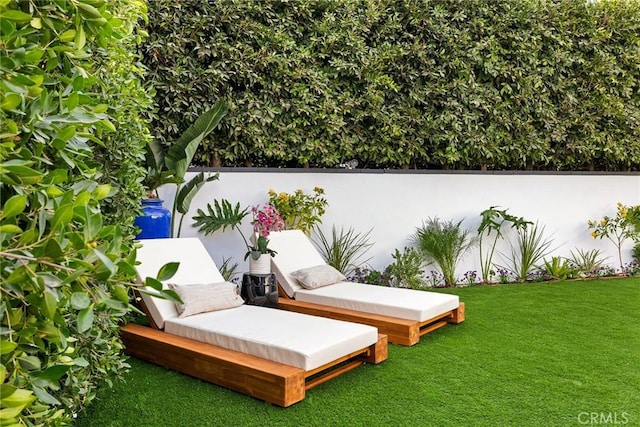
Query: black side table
point(259, 289)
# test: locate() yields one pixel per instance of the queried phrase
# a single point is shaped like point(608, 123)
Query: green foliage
point(68, 173)
point(228, 269)
point(220, 216)
point(346, 248)
point(444, 243)
point(119, 75)
point(531, 247)
point(558, 268)
point(224, 215)
point(492, 221)
point(587, 261)
point(619, 228)
point(406, 270)
point(523, 84)
point(299, 210)
point(171, 167)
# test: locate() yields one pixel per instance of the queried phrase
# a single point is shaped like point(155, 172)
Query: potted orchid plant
point(265, 220)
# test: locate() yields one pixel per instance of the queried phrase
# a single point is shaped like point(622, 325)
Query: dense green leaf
point(14, 206)
point(80, 300)
point(7, 346)
point(68, 80)
point(167, 271)
point(49, 305)
point(18, 397)
point(62, 216)
point(30, 363)
point(421, 84)
point(106, 262)
point(53, 373)
point(180, 155)
point(85, 319)
point(153, 283)
point(53, 250)
point(44, 396)
point(15, 15)
point(10, 229)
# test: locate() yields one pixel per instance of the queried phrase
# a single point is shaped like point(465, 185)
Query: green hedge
point(72, 134)
point(524, 84)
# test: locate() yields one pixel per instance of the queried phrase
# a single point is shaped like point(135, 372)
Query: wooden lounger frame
point(274, 382)
point(398, 331)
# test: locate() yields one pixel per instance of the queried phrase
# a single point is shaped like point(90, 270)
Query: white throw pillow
point(318, 276)
point(204, 298)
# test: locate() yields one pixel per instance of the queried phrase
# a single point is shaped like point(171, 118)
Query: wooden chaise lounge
point(404, 315)
point(233, 347)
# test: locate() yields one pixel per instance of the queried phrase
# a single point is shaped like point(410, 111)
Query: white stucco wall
point(393, 204)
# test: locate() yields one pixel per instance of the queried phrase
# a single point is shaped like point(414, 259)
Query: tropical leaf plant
point(171, 167)
point(219, 216)
point(493, 220)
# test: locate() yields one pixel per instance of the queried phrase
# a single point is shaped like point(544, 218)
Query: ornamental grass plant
point(530, 248)
point(443, 243)
point(345, 249)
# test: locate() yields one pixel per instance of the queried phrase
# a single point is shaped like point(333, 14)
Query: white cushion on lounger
point(196, 267)
point(295, 252)
point(306, 342)
point(396, 302)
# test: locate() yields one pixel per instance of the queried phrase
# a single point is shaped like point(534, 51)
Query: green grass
point(527, 355)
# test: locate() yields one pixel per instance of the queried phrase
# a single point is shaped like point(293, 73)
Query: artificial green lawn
point(527, 355)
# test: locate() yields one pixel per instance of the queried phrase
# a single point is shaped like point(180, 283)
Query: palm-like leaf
point(190, 189)
point(180, 154)
point(155, 155)
point(443, 243)
point(221, 215)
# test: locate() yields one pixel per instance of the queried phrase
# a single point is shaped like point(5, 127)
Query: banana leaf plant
point(171, 167)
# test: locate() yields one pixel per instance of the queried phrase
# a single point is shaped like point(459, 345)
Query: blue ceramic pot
point(155, 223)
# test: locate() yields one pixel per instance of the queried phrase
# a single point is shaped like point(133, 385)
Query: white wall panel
point(393, 204)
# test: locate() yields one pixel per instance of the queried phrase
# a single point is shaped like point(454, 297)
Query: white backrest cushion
point(295, 251)
point(196, 267)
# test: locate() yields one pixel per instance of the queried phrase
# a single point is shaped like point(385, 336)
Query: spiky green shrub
point(345, 249)
point(585, 261)
point(530, 248)
point(443, 243)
